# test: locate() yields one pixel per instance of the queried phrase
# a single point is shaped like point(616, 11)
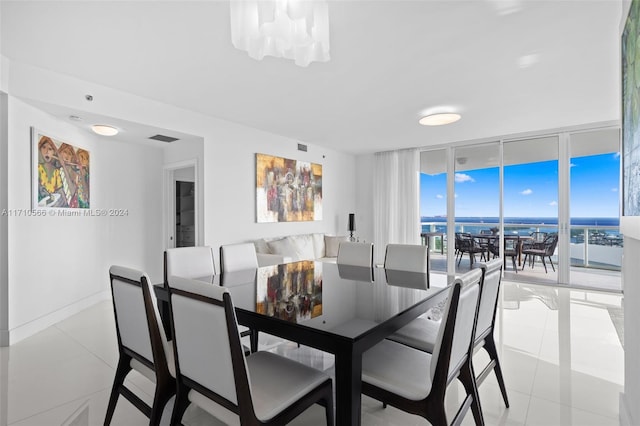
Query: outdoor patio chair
point(547, 249)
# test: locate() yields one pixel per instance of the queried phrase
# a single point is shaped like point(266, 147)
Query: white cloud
point(461, 177)
point(614, 189)
point(572, 165)
point(527, 192)
point(440, 196)
point(616, 155)
point(553, 203)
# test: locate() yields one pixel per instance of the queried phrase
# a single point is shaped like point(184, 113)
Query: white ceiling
point(391, 61)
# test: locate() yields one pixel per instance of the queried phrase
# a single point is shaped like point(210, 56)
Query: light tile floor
point(561, 353)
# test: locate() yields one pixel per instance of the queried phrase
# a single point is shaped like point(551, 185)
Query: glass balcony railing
point(598, 247)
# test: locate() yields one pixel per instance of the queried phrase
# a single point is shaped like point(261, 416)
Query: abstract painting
point(291, 291)
point(287, 190)
point(631, 112)
point(60, 173)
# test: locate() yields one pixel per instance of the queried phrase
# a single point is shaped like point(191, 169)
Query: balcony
point(595, 259)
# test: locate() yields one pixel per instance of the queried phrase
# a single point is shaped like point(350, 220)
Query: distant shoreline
point(576, 221)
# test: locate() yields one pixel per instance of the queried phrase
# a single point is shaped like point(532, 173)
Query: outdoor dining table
point(343, 310)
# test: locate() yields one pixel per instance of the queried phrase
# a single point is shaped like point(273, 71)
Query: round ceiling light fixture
point(104, 130)
point(439, 119)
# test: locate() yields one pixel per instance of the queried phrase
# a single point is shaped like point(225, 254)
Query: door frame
point(169, 197)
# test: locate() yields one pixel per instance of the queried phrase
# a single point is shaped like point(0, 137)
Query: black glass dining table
point(339, 309)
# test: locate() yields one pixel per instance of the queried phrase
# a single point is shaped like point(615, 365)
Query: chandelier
point(292, 29)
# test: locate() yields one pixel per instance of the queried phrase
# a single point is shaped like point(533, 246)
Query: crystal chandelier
point(292, 29)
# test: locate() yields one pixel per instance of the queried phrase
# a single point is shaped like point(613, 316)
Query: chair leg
point(162, 395)
point(513, 260)
point(253, 339)
point(122, 370)
point(551, 262)
point(524, 261)
point(490, 347)
point(467, 377)
point(544, 264)
point(182, 402)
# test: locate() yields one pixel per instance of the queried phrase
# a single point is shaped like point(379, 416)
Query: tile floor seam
point(84, 397)
point(84, 347)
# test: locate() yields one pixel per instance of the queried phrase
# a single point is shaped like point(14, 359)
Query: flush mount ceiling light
point(291, 29)
point(439, 119)
point(104, 130)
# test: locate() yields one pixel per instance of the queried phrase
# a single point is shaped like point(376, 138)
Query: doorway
point(181, 214)
point(185, 213)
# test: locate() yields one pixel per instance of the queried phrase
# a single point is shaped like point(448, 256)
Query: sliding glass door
point(557, 195)
point(595, 240)
point(433, 206)
point(531, 206)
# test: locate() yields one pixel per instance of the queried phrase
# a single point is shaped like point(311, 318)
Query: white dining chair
point(355, 254)
point(142, 343)
point(212, 372)
point(416, 381)
point(422, 332)
point(407, 257)
point(236, 257)
point(189, 262)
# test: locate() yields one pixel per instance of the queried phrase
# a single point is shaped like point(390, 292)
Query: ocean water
point(525, 225)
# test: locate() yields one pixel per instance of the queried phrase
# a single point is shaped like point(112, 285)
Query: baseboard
point(39, 324)
point(625, 417)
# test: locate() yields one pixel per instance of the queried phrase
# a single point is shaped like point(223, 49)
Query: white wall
point(226, 173)
point(230, 179)
point(59, 265)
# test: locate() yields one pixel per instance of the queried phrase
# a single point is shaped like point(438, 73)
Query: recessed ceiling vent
point(163, 138)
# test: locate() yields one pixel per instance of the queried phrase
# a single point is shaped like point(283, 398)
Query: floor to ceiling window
point(531, 206)
point(477, 201)
point(594, 193)
point(433, 205)
point(558, 195)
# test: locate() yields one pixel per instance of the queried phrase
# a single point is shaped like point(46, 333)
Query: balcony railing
point(598, 247)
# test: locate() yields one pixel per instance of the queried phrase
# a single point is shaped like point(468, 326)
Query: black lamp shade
point(352, 222)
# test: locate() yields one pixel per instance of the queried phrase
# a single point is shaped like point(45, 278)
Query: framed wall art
point(287, 190)
point(631, 112)
point(60, 175)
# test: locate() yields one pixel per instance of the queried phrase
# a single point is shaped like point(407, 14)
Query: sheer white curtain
point(396, 199)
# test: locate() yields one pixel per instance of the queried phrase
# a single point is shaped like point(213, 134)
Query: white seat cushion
point(399, 369)
point(304, 246)
point(420, 333)
point(149, 373)
point(276, 383)
point(284, 247)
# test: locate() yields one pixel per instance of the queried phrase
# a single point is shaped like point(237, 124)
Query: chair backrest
point(488, 296)
point(138, 323)
point(511, 245)
point(538, 237)
point(407, 257)
point(356, 254)
point(550, 243)
point(455, 337)
point(189, 262)
point(206, 342)
point(236, 257)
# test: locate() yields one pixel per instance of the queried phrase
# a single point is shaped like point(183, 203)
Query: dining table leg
point(348, 385)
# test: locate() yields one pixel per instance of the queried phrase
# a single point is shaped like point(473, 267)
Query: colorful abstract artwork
point(61, 172)
point(291, 291)
point(287, 190)
point(631, 112)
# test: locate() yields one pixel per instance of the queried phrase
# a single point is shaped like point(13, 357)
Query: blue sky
point(530, 190)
